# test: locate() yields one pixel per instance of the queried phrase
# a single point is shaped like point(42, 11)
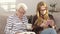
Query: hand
point(50, 22)
point(46, 23)
point(43, 25)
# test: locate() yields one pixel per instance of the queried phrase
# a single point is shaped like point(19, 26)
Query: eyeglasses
point(43, 10)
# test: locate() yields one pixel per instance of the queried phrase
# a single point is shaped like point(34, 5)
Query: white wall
point(31, 5)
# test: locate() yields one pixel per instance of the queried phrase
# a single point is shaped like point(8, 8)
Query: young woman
point(41, 18)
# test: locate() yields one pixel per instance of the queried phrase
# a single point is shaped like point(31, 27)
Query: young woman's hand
point(51, 23)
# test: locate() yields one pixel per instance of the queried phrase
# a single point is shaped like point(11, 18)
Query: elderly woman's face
point(21, 12)
point(43, 10)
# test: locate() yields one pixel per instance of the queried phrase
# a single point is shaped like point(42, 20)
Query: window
point(8, 5)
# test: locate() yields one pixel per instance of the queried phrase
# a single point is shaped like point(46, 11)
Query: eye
point(43, 10)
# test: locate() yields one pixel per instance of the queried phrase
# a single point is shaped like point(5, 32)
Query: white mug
point(29, 26)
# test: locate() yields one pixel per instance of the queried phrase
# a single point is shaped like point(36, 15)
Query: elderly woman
point(16, 23)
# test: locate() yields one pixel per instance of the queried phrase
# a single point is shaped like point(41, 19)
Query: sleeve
point(34, 19)
point(8, 26)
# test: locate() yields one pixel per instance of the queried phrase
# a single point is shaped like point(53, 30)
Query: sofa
point(3, 20)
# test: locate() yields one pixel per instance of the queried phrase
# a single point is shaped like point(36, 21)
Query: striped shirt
point(14, 24)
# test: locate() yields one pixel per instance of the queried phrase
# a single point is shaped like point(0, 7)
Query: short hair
point(21, 5)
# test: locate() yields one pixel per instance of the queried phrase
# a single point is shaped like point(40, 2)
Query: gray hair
point(21, 5)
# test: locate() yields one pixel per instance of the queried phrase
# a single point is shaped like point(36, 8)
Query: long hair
point(40, 19)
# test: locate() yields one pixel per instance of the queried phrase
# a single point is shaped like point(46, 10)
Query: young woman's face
point(42, 10)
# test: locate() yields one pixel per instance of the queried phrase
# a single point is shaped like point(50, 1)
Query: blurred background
point(8, 7)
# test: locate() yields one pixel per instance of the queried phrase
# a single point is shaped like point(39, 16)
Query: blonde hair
point(21, 5)
point(40, 19)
